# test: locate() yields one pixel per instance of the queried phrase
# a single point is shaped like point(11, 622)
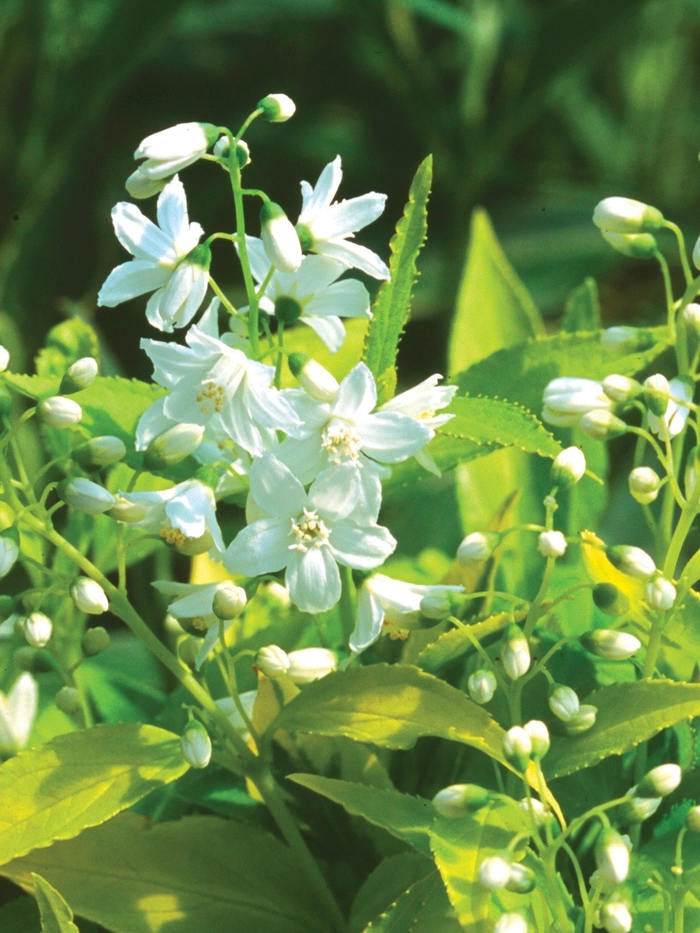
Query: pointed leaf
point(423, 908)
point(56, 915)
point(394, 875)
point(455, 643)
point(582, 309)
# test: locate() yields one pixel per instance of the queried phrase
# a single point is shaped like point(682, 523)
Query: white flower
point(458, 799)
point(17, 713)
point(515, 652)
point(612, 857)
point(511, 923)
point(272, 661)
point(477, 547)
point(311, 295)
point(517, 747)
point(660, 594)
point(194, 605)
point(660, 781)
point(494, 872)
point(581, 721)
point(644, 484)
point(676, 413)
point(309, 664)
point(539, 736)
point(37, 629)
point(621, 388)
point(9, 552)
point(166, 153)
point(308, 534)
point(4, 358)
point(632, 560)
point(59, 412)
point(421, 402)
point(326, 228)
point(79, 375)
point(563, 702)
point(383, 602)
point(610, 644)
point(616, 918)
point(162, 263)
point(568, 467)
point(314, 379)
point(568, 398)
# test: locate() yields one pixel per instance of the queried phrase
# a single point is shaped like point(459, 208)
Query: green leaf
point(20, 916)
point(423, 908)
point(582, 308)
point(199, 874)
point(393, 303)
point(34, 387)
point(454, 643)
point(65, 343)
point(56, 915)
point(404, 816)
point(394, 875)
point(77, 780)
point(628, 713)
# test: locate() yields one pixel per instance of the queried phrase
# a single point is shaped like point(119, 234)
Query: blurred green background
point(533, 108)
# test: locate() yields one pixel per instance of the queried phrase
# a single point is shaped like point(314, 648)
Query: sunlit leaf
point(56, 915)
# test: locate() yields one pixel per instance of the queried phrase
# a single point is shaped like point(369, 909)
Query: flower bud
point(196, 745)
point(521, 880)
point(535, 808)
point(188, 650)
point(33, 660)
point(4, 358)
point(644, 484)
point(140, 185)
point(631, 560)
point(481, 686)
point(459, 799)
point(313, 378)
point(657, 391)
point(173, 446)
point(68, 700)
point(567, 398)
point(272, 661)
point(222, 149)
point(79, 375)
point(568, 467)
point(85, 496)
point(89, 596)
point(620, 388)
point(9, 552)
point(279, 238)
point(636, 245)
point(278, 108)
point(582, 721)
point(124, 510)
point(37, 629)
point(696, 253)
point(610, 600)
point(691, 472)
point(95, 641)
point(551, 544)
point(309, 664)
point(602, 425)
point(539, 737)
point(636, 809)
point(59, 412)
point(477, 547)
point(438, 605)
point(229, 601)
point(621, 340)
point(511, 923)
point(616, 918)
point(517, 747)
point(692, 819)
point(100, 451)
point(660, 781)
point(611, 645)
point(612, 857)
point(691, 316)
point(515, 652)
point(494, 872)
point(563, 701)
point(624, 215)
point(660, 594)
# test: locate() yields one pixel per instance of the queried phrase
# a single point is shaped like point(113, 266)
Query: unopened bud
point(610, 600)
point(33, 660)
point(278, 108)
point(4, 358)
point(79, 375)
point(611, 645)
point(621, 388)
point(636, 245)
point(173, 446)
point(125, 510)
point(85, 496)
point(660, 594)
point(656, 393)
point(309, 664)
point(37, 629)
point(568, 467)
point(521, 880)
point(272, 661)
point(222, 149)
point(644, 484)
point(459, 799)
point(439, 603)
point(196, 745)
point(551, 544)
point(229, 601)
point(563, 701)
point(89, 596)
point(692, 819)
point(636, 809)
point(620, 340)
point(511, 923)
point(313, 378)
point(478, 547)
point(536, 809)
point(279, 238)
point(188, 649)
point(539, 737)
point(515, 652)
point(581, 721)
point(100, 451)
point(481, 686)
point(612, 857)
point(631, 560)
point(616, 918)
point(95, 641)
point(660, 781)
point(602, 425)
point(494, 871)
point(59, 412)
point(624, 215)
point(691, 316)
point(517, 747)
point(68, 700)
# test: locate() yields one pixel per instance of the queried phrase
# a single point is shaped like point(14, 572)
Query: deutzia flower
point(17, 714)
point(167, 152)
point(164, 262)
point(421, 402)
point(676, 413)
point(326, 228)
point(311, 295)
point(309, 534)
point(194, 605)
point(383, 602)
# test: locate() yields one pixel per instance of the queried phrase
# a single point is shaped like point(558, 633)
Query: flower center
point(211, 398)
point(173, 536)
point(308, 531)
point(341, 443)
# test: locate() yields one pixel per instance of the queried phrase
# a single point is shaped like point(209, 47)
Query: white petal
point(171, 362)
point(346, 217)
point(275, 488)
point(151, 424)
point(8, 743)
point(323, 193)
point(348, 298)
point(361, 547)
point(313, 413)
point(336, 492)
point(197, 603)
point(389, 436)
point(155, 316)
point(357, 394)
point(173, 218)
point(176, 141)
point(22, 703)
point(262, 547)
point(329, 328)
point(422, 400)
point(354, 256)
point(427, 462)
point(130, 280)
point(368, 622)
point(316, 273)
point(140, 235)
point(305, 458)
point(370, 501)
point(259, 263)
point(267, 406)
point(313, 579)
point(209, 322)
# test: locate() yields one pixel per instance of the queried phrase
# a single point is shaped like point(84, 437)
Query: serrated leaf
point(199, 874)
point(582, 308)
point(34, 387)
point(454, 643)
point(393, 303)
point(422, 908)
point(394, 875)
point(628, 713)
point(406, 817)
point(56, 790)
point(56, 915)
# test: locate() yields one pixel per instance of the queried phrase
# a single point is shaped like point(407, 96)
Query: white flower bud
point(515, 652)
point(229, 601)
point(279, 238)
point(632, 560)
point(568, 467)
point(494, 872)
point(611, 645)
point(140, 184)
point(100, 451)
point(477, 547)
point(660, 781)
point(517, 747)
point(459, 799)
point(636, 245)
point(309, 664)
point(696, 253)
point(438, 604)
point(535, 808)
point(85, 496)
point(272, 661)
point(511, 923)
point(59, 412)
point(624, 215)
point(4, 358)
point(278, 594)
point(656, 395)
point(539, 737)
point(581, 721)
point(196, 745)
point(691, 315)
point(692, 819)
point(9, 552)
point(602, 425)
point(277, 108)
point(621, 340)
point(222, 150)
point(616, 917)
point(551, 544)
point(621, 388)
point(563, 702)
point(567, 398)
point(644, 484)
point(612, 857)
point(660, 594)
point(89, 596)
point(481, 686)
point(79, 375)
point(637, 809)
point(173, 446)
point(691, 472)
point(313, 378)
point(522, 879)
point(37, 629)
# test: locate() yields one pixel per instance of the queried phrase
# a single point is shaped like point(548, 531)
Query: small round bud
point(621, 388)
point(581, 721)
point(278, 108)
point(660, 781)
point(656, 393)
point(567, 398)
point(33, 660)
point(89, 596)
point(59, 412)
point(660, 594)
point(635, 245)
point(521, 880)
point(222, 149)
point(539, 737)
point(612, 857)
point(563, 702)
point(616, 918)
point(478, 547)
point(551, 544)
point(517, 747)
point(624, 215)
point(459, 799)
point(644, 484)
point(692, 819)
point(188, 649)
point(637, 809)
point(602, 425)
point(229, 601)
point(610, 644)
point(68, 700)
point(621, 340)
point(279, 238)
point(4, 358)
point(494, 872)
point(313, 378)
point(95, 641)
point(481, 686)
point(568, 467)
point(631, 560)
point(125, 510)
point(691, 316)
point(85, 496)
point(79, 375)
point(173, 446)
point(515, 652)
point(196, 745)
point(9, 552)
point(309, 664)
point(511, 923)
point(439, 603)
point(100, 451)
point(272, 661)
point(535, 808)
point(610, 600)
point(37, 629)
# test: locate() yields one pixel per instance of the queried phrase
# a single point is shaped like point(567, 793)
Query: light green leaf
point(423, 908)
point(582, 308)
point(56, 915)
point(77, 780)
point(65, 343)
point(393, 303)
point(454, 643)
point(404, 816)
point(302, 339)
point(196, 875)
point(628, 713)
point(34, 387)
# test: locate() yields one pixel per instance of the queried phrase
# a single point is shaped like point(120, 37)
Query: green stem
point(681, 249)
point(233, 685)
point(235, 175)
point(534, 613)
point(670, 303)
point(683, 527)
point(30, 412)
point(222, 298)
